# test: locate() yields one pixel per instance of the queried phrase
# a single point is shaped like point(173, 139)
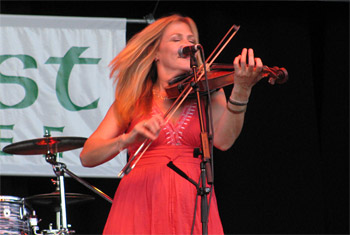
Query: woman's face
point(169, 63)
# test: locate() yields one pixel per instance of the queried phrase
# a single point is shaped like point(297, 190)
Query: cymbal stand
point(89, 186)
point(58, 168)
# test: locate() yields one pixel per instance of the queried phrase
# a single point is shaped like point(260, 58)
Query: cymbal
point(43, 145)
point(54, 198)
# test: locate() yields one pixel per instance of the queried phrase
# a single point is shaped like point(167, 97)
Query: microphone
point(185, 51)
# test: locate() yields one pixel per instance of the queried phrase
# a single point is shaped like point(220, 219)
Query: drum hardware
point(53, 200)
point(53, 231)
point(49, 146)
point(33, 222)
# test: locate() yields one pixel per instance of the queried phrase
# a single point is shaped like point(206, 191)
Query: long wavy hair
point(134, 69)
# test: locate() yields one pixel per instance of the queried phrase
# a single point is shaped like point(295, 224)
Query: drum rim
point(8, 198)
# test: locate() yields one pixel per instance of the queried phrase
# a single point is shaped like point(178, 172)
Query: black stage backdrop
point(288, 171)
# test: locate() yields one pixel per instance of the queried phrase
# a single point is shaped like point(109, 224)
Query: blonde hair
point(134, 70)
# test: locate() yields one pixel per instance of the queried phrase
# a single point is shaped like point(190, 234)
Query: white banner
point(54, 78)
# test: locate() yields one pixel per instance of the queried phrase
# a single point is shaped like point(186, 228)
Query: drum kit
point(17, 215)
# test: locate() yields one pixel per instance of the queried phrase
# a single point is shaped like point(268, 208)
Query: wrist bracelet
point(238, 103)
point(236, 111)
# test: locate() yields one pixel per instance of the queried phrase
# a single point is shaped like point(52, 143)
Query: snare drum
point(14, 216)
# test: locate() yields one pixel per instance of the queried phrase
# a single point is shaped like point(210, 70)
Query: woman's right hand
point(107, 141)
point(146, 129)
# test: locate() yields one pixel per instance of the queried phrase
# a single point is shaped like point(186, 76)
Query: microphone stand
point(206, 173)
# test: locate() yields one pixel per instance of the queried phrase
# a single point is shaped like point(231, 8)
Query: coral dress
point(152, 198)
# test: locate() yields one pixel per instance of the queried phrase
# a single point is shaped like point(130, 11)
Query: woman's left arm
point(228, 116)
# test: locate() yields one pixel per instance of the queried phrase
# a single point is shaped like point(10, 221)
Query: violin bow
point(183, 95)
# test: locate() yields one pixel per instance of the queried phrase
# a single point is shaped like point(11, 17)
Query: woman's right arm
point(109, 138)
point(105, 143)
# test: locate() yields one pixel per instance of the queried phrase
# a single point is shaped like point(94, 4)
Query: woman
point(152, 198)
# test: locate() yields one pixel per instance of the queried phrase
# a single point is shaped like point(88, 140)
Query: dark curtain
point(288, 173)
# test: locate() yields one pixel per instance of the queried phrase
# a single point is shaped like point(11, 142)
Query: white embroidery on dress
point(174, 132)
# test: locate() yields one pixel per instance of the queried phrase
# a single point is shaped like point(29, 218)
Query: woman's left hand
point(247, 73)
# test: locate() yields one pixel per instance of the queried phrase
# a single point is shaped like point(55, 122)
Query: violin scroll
point(275, 75)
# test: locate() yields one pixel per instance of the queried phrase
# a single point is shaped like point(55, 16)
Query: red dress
point(152, 198)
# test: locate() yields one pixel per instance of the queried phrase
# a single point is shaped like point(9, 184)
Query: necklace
point(160, 96)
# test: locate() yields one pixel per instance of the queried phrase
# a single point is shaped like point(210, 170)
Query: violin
point(219, 76)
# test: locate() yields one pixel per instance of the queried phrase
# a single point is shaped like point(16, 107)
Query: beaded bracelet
point(234, 102)
point(235, 111)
